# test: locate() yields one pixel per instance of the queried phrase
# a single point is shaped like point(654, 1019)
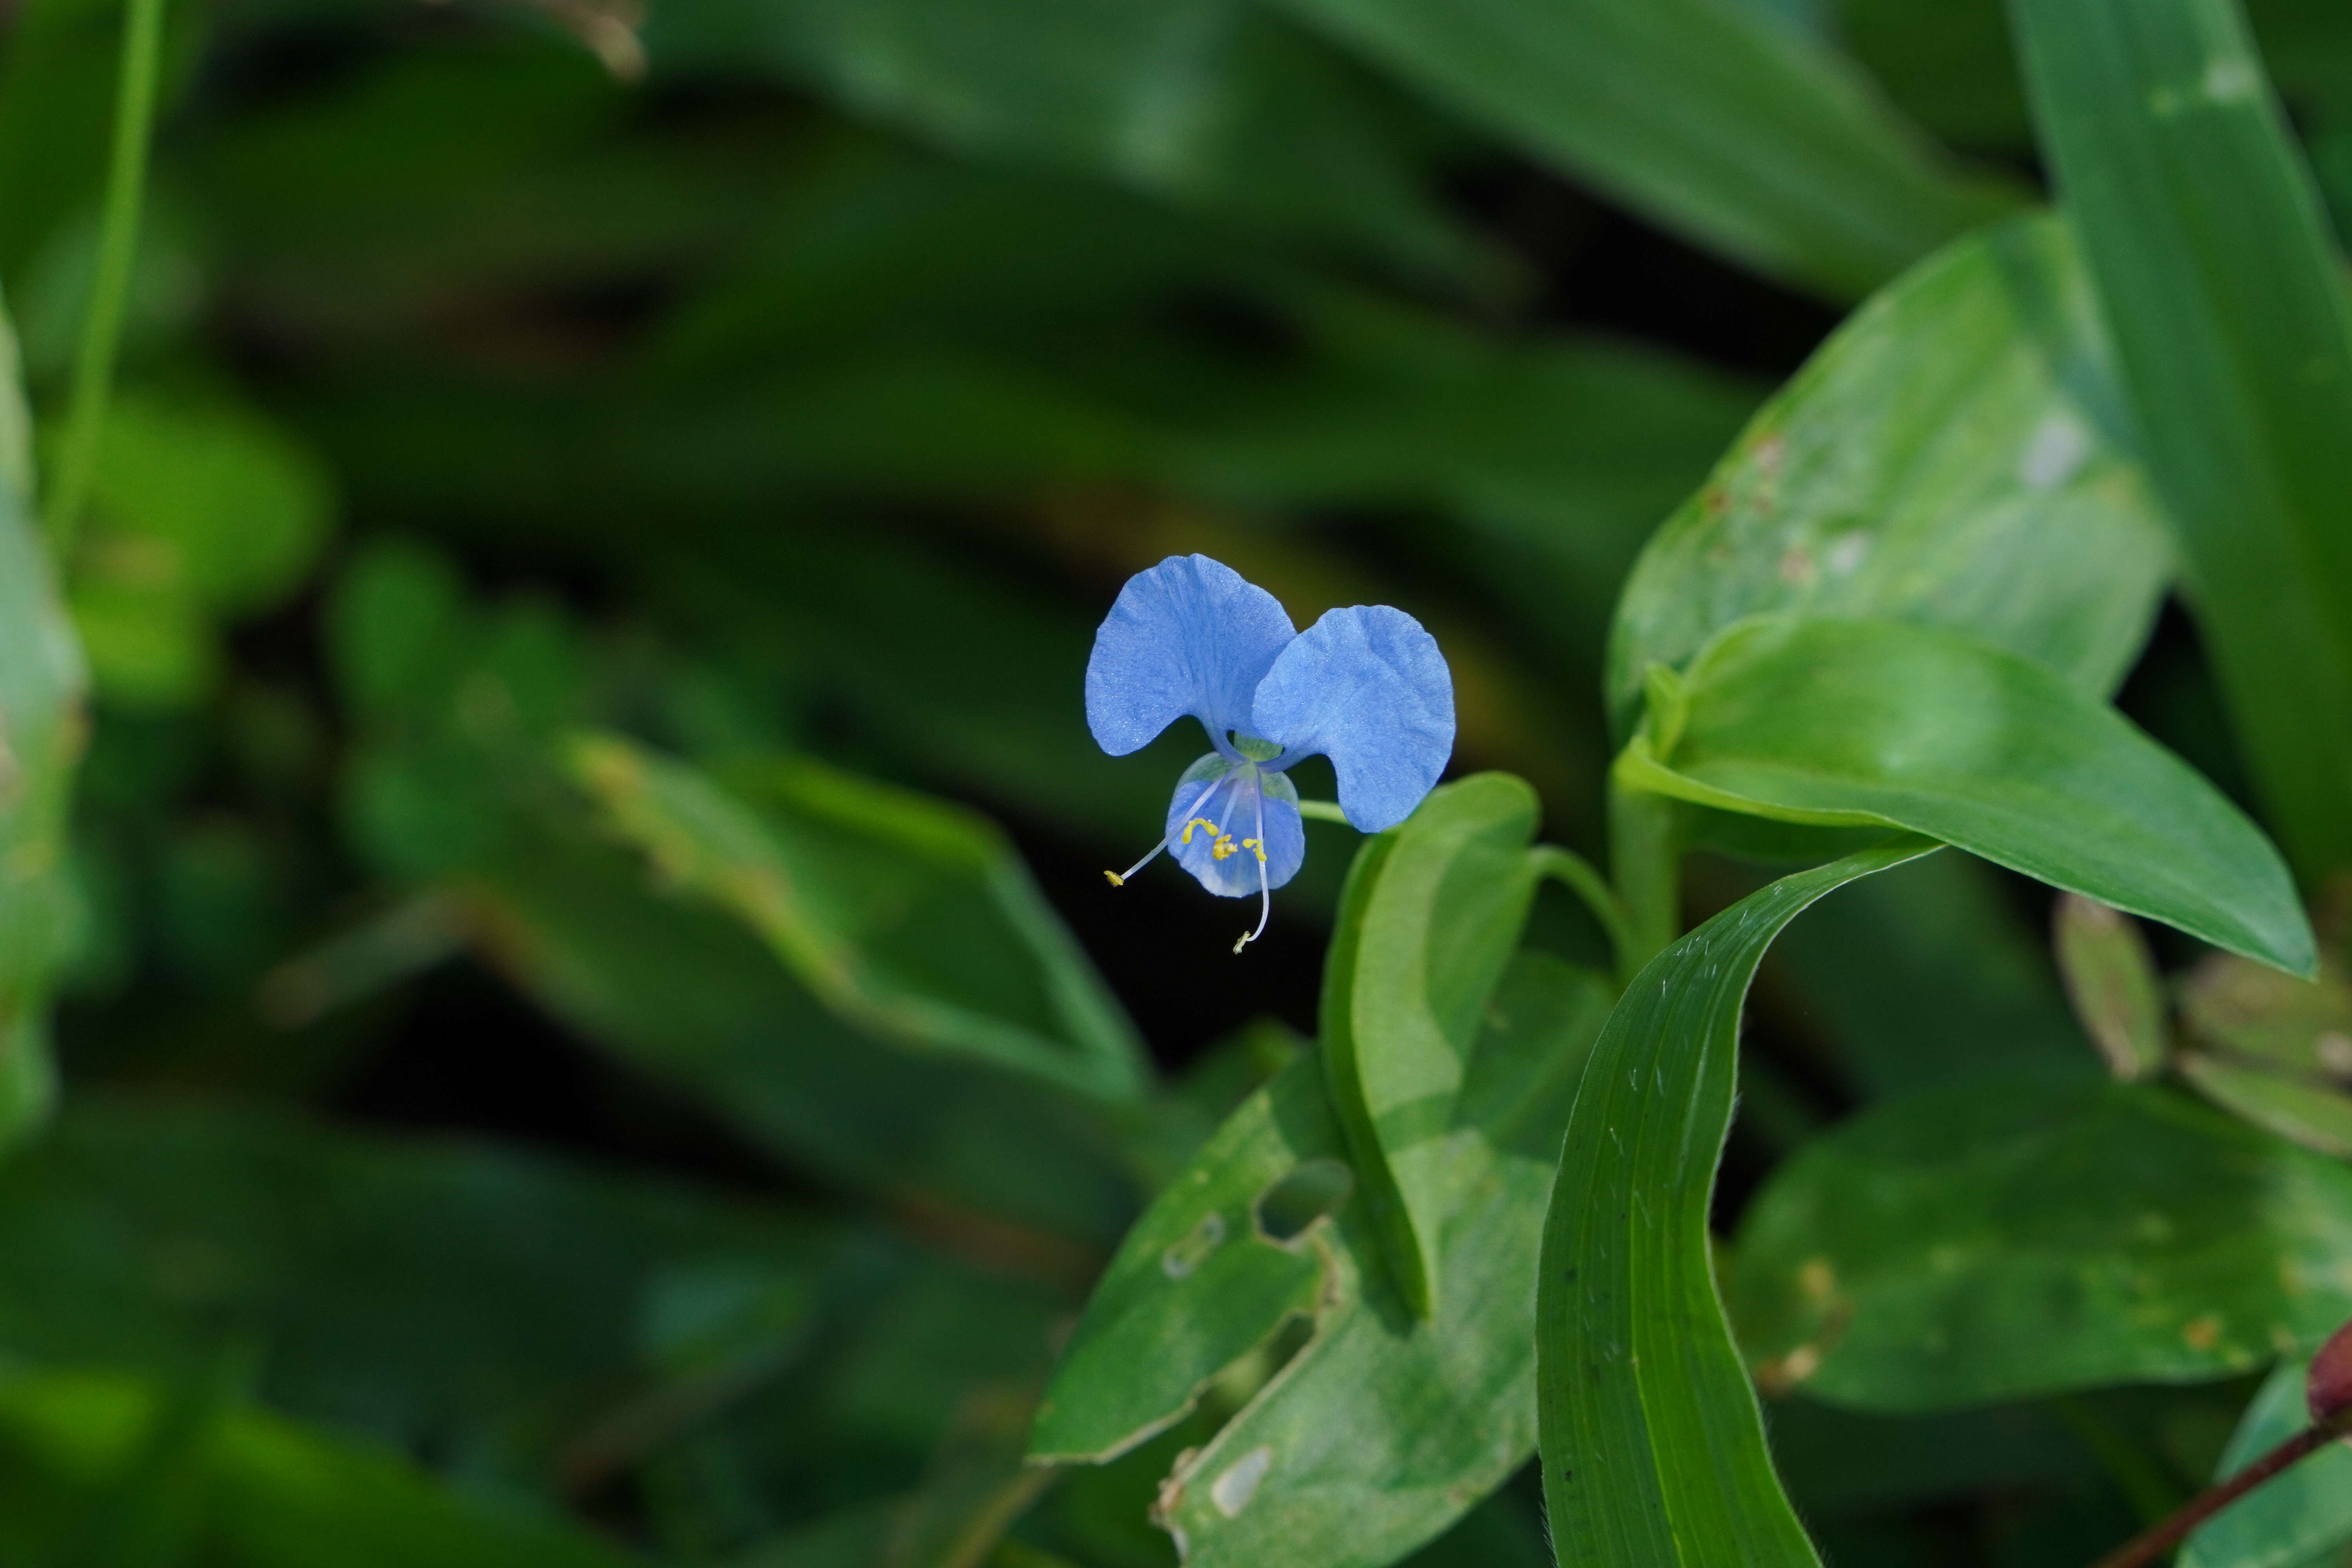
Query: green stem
point(1577, 875)
point(118, 248)
point(1322, 811)
point(1646, 853)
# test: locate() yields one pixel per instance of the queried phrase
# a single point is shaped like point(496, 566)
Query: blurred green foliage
point(547, 817)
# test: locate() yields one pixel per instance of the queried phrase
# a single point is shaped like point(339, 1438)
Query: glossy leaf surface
point(1430, 917)
point(908, 916)
point(1853, 722)
point(2303, 1516)
point(1954, 456)
point(1707, 119)
point(2224, 296)
point(1652, 1445)
point(2025, 1236)
point(1382, 1428)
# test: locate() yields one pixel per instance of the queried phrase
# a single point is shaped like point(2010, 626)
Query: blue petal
point(1190, 636)
point(1367, 687)
point(1240, 794)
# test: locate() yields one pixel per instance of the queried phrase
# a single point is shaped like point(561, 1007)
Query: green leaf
point(42, 728)
point(1212, 102)
point(1381, 1429)
point(1652, 1445)
point(2232, 327)
point(1431, 915)
point(255, 1490)
point(2274, 1050)
point(448, 1296)
point(1953, 456)
point(908, 916)
point(1856, 722)
point(2022, 1236)
point(2112, 980)
point(687, 994)
point(1706, 118)
point(2303, 1516)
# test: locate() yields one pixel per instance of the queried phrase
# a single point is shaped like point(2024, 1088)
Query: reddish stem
point(2158, 1540)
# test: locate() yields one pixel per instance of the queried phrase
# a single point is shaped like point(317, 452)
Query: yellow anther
point(1222, 846)
point(1116, 880)
point(1197, 822)
point(1256, 847)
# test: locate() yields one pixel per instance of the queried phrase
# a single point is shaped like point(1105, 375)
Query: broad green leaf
point(688, 995)
point(2276, 1051)
point(1381, 1429)
point(1708, 119)
point(908, 916)
point(200, 511)
point(1431, 915)
point(2112, 980)
point(1213, 103)
point(240, 1488)
point(2025, 1236)
point(1952, 456)
point(42, 728)
point(2303, 1516)
point(1652, 1442)
point(2225, 298)
point(1848, 723)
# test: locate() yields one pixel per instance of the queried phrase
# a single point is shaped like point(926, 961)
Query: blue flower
point(1366, 687)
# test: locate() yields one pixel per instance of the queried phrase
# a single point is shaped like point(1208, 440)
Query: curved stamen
point(1265, 893)
point(1118, 879)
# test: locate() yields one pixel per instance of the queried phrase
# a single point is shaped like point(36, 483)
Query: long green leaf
point(2232, 326)
point(1381, 1429)
point(1954, 456)
point(908, 916)
point(1859, 722)
point(2025, 1236)
point(1706, 117)
point(42, 728)
point(1652, 1445)
point(1431, 915)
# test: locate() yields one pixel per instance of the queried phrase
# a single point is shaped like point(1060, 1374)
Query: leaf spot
point(2055, 453)
point(2201, 1333)
point(1233, 1490)
point(1189, 1254)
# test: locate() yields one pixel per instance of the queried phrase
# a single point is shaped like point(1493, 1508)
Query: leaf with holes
point(1429, 917)
point(908, 916)
point(1954, 456)
point(1855, 723)
point(1381, 1429)
point(1652, 1445)
point(2018, 1237)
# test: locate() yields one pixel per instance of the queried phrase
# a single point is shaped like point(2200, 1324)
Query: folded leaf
point(1431, 915)
point(1652, 1445)
point(1853, 722)
point(2274, 1050)
point(1381, 1429)
point(2112, 980)
point(2025, 1236)
point(2225, 299)
point(908, 916)
point(1954, 456)
point(1706, 118)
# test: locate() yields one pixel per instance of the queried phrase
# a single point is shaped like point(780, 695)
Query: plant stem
point(2153, 1543)
point(1645, 855)
point(118, 248)
point(1577, 874)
